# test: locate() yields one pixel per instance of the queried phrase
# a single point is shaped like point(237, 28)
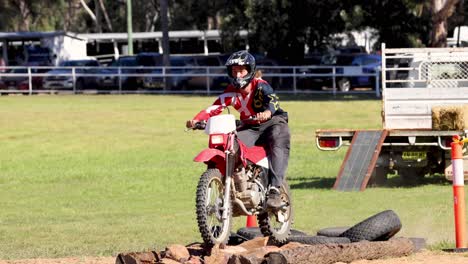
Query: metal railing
point(284, 79)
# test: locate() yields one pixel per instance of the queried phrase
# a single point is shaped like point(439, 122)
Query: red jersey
point(261, 98)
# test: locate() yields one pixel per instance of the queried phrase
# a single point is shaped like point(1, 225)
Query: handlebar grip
point(199, 126)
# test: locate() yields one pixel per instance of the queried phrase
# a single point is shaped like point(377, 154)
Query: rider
point(254, 97)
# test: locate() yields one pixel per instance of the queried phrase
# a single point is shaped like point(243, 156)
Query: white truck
point(414, 82)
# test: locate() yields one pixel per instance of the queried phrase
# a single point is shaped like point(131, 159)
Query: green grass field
point(99, 175)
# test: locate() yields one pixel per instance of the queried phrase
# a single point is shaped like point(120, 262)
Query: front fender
point(210, 154)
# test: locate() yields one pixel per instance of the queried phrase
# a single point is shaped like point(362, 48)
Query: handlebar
point(199, 125)
point(248, 121)
point(202, 124)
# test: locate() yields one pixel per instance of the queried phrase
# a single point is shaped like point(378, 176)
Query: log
point(331, 253)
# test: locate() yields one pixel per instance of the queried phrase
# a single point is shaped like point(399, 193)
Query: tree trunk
point(25, 16)
point(331, 253)
point(73, 5)
point(441, 11)
point(88, 10)
point(109, 26)
point(97, 12)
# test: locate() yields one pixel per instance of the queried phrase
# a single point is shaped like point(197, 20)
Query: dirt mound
point(425, 256)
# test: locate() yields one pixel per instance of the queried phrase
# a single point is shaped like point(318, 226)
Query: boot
point(274, 198)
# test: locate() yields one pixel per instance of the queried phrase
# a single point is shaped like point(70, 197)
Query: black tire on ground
point(236, 239)
point(332, 231)
point(253, 232)
point(213, 229)
point(314, 240)
point(379, 227)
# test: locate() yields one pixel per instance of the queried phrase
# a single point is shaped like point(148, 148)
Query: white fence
point(207, 80)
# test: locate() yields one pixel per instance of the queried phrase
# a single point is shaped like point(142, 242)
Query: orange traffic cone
point(251, 221)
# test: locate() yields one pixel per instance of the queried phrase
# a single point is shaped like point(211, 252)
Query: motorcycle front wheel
point(209, 205)
point(277, 223)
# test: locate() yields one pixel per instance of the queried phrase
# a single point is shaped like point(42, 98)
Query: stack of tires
point(379, 227)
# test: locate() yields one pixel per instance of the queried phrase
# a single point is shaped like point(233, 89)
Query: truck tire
point(332, 231)
point(379, 176)
point(379, 227)
point(412, 174)
point(314, 240)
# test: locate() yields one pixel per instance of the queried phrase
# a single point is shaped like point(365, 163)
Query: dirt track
point(424, 257)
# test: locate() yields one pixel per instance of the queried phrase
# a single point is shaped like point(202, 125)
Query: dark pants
point(274, 135)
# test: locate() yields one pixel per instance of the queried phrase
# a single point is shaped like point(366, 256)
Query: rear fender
point(255, 154)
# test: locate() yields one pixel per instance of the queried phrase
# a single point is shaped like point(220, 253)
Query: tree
point(27, 15)
point(233, 19)
point(400, 23)
point(441, 11)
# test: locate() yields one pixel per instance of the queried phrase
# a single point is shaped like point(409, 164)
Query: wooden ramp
point(360, 160)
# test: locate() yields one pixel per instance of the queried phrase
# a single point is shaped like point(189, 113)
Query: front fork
point(230, 160)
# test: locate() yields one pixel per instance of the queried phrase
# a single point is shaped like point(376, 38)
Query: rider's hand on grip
point(263, 116)
point(195, 124)
point(190, 123)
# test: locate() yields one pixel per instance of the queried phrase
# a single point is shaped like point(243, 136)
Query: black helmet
point(241, 58)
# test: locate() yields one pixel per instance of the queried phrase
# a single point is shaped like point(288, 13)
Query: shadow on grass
point(393, 181)
point(311, 183)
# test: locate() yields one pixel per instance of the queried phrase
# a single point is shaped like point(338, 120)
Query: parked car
point(179, 65)
point(2, 85)
point(21, 80)
point(191, 74)
point(62, 78)
point(148, 60)
point(215, 83)
point(111, 80)
point(369, 63)
point(348, 67)
point(267, 66)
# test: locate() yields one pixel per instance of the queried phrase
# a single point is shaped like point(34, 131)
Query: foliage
point(278, 28)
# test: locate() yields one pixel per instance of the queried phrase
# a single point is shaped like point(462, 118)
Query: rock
point(177, 252)
point(194, 260)
point(255, 243)
point(217, 256)
point(148, 257)
point(234, 250)
point(168, 261)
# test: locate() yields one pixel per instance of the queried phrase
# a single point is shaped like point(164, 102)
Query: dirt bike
point(236, 184)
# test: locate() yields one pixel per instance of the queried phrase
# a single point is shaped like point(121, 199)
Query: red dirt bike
point(236, 184)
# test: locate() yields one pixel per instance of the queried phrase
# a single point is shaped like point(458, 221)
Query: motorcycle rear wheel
point(209, 202)
point(277, 224)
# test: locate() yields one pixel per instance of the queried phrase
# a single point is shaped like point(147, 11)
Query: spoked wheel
point(213, 228)
point(277, 223)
